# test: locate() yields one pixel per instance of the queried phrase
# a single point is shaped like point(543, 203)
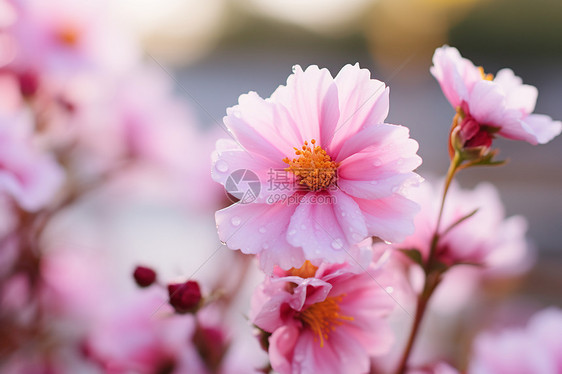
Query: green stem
point(432, 276)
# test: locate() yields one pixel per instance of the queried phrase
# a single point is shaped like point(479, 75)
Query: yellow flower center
point(486, 77)
point(313, 168)
point(323, 317)
point(307, 270)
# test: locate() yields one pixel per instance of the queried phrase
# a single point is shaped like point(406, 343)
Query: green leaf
point(459, 221)
point(413, 254)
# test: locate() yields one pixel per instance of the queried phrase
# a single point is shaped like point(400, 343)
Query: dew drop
point(377, 162)
point(262, 230)
point(235, 221)
point(389, 289)
point(343, 214)
point(337, 244)
point(221, 166)
point(292, 232)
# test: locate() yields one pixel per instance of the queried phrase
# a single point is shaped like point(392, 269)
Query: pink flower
point(345, 181)
point(323, 320)
point(490, 106)
point(485, 238)
point(537, 348)
point(29, 176)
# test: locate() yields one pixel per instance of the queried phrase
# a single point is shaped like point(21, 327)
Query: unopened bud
point(144, 276)
point(185, 297)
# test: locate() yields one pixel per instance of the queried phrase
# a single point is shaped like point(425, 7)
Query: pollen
point(313, 167)
point(323, 317)
point(486, 77)
point(307, 270)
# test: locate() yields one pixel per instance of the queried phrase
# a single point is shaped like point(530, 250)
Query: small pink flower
point(345, 181)
point(485, 238)
point(535, 349)
point(28, 175)
point(323, 320)
point(490, 106)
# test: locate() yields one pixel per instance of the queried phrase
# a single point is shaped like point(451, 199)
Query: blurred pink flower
point(490, 106)
point(345, 184)
point(485, 238)
point(323, 320)
point(28, 175)
point(65, 36)
point(132, 338)
point(537, 348)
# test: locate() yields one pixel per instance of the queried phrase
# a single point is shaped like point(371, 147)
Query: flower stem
point(432, 274)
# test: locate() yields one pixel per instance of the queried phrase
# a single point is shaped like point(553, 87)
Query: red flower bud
point(144, 276)
point(184, 297)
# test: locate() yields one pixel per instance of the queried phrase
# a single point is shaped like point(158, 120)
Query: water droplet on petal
point(343, 214)
point(389, 289)
point(377, 162)
point(221, 166)
point(235, 221)
point(262, 230)
point(292, 232)
point(337, 244)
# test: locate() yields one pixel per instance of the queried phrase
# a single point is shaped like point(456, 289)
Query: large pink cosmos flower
point(485, 238)
point(30, 177)
point(345, 181)
point(535, 349)
point(490, 106)
point(323, 320)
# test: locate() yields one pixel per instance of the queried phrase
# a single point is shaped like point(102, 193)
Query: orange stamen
point(313, 168)
point(323, 317)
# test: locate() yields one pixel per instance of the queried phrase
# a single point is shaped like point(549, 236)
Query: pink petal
point(311, 98)
point(376, 189)
point(252, 123)
point(519, 96)
point(542, 127)
point(487, 103)
point(390, 218)
point(455, 74)
point(363, 101)
point(369, 136)
point(228, 157)
point(316, 228)
point(281, 347)
point(255, 228)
